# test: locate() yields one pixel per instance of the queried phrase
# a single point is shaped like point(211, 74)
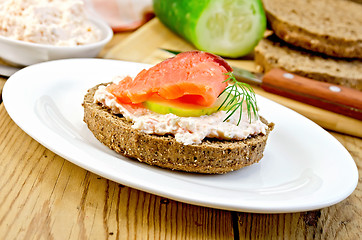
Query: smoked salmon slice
point(192, 77)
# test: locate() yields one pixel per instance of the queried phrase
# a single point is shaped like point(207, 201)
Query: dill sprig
point(238, 93)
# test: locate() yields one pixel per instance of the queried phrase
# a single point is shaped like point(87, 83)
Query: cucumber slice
point(229, 28)
point(183, 109)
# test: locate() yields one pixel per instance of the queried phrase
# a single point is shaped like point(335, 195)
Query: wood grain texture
point(2, 83)
point(43, 196)
point(144, 44)
point(117, 38)
point(340, 221)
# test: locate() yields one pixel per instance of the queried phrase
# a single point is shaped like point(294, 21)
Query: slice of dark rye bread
point(332, 27)
point(274, 53)
point(211, 156)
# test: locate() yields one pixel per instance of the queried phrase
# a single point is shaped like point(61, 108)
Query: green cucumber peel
point(229, 28)
point(168, 107)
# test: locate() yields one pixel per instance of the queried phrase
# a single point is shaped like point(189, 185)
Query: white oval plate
point(303, 168)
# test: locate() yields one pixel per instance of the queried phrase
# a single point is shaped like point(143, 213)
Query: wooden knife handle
point(335, 98)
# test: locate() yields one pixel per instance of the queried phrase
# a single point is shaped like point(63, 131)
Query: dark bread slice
point(211, 156)
point(274, 53)
point(332, 27)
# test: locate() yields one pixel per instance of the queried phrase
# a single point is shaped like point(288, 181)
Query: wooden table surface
point(43, 196)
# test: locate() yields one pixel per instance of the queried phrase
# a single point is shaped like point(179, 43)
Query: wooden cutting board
point(144, 46)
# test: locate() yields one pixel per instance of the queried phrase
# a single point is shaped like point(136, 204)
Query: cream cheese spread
point(187, 130)
point(52, 22)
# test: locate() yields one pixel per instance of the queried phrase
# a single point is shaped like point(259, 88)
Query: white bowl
point(23, 53)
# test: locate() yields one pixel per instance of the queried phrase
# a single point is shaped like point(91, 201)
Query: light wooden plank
point(117, 38)
point(2, 83)
point(43, 196)
point(340, 221)
point(142, 44)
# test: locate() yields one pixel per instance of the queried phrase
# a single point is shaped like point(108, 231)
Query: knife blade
point(335, 98)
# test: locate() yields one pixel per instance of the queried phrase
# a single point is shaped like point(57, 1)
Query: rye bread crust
point(331, 27)
point(211, 156)
point(274, 53)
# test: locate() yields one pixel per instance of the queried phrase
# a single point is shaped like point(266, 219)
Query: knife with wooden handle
point(339, 99)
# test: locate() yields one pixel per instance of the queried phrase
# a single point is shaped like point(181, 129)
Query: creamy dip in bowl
point(49, 32)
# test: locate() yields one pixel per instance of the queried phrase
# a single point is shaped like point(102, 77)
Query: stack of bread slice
point(320, 39)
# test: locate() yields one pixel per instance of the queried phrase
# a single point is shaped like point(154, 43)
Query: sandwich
point(187, 113)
